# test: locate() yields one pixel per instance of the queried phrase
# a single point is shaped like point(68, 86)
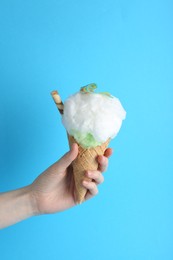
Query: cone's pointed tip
point(80, 201)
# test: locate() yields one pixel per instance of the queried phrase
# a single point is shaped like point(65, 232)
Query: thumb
point(69, 157)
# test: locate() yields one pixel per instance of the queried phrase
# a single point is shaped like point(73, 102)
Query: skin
point(51, 192)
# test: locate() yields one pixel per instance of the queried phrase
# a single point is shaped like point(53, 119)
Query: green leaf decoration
point(90, 88)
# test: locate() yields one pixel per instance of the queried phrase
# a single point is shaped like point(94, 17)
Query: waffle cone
point(86, 160)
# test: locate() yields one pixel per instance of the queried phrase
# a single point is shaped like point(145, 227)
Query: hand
point(53, 190)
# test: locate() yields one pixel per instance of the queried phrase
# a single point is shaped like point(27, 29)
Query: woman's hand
point(53, 190)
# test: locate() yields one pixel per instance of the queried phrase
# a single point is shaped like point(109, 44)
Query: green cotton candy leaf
point(90, 88)
point(86, 140)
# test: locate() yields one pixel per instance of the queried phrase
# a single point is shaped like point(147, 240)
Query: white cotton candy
point(97, 114)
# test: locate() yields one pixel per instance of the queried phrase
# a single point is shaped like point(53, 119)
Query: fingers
point(69, 157)
point(103, 160)
point(103, 163)
point(96, 176)
point(91, 187)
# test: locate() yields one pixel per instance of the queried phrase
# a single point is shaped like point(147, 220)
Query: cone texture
point(86, 160)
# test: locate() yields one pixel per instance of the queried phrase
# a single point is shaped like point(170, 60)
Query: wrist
point(32, 202)
point(26, 201)
point(15, 206)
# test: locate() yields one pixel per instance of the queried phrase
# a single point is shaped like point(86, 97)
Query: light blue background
point(126, 47)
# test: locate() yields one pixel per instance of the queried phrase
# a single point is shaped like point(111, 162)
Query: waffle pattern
point(86, 160)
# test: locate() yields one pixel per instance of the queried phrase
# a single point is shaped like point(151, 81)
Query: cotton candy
point(93, 114)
